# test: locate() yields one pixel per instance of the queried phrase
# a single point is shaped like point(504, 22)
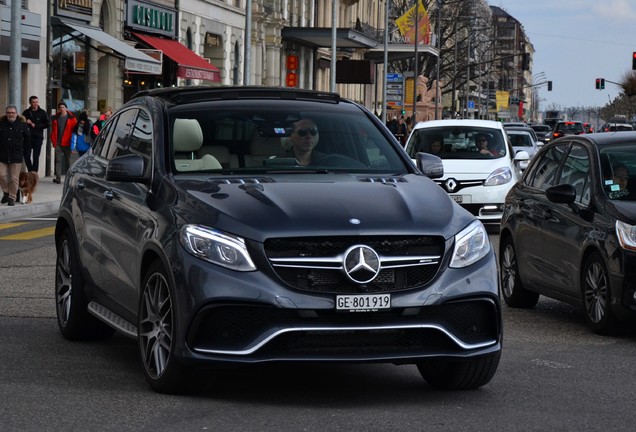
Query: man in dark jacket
point(37, 120)
point(14, 132)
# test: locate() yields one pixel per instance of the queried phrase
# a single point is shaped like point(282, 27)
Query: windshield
point(521, 140)
point(618, 166)
point(267, 136)
point(457, 142)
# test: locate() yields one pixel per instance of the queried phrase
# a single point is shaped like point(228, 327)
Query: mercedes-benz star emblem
point(361, 264)
point(450, 184)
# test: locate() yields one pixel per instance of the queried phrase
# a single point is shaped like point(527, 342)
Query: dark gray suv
point(232, 226)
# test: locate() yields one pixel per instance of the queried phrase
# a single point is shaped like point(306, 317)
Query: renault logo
point(361, 264)
point(450, 185)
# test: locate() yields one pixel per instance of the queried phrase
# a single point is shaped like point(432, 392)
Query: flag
point(406, 25)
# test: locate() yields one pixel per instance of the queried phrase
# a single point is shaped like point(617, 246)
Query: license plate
point(363, 302)
point(457, 198)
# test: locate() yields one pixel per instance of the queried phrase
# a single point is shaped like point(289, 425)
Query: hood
point(323, 205)
point(626, 210)
point(473, 168)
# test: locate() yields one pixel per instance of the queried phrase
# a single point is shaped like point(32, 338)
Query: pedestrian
point(99, 124)
point(37, 120)
point(401, 132)
point(14, 132)
point(62, 128)
point(81, 140)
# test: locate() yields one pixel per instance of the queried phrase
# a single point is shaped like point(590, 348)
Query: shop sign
point(80, 9)
point(151, 18)
point(201, 74)
point(213, 40)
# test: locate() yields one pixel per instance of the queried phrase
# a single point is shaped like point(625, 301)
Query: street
point(554, 375)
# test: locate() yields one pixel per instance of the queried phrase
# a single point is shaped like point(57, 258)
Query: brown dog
point(28, 183)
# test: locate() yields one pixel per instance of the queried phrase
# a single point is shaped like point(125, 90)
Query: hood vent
point(242, 180)
point(389, 180)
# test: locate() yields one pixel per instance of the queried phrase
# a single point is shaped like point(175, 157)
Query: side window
point(119, 139)
point(576, 171)
point(141, 138)
point(544, 172)
point(102, 139)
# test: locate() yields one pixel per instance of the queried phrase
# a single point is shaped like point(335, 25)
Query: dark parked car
point(544, 132)
point(569, 229)
point(564, 128)
point(235, 226)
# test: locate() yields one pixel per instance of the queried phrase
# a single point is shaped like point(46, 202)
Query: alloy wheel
point(155, 325)
point(63, 282)
point(595, 293)
point(508, 270)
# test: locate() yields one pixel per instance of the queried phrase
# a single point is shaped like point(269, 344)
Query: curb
point(21, 211)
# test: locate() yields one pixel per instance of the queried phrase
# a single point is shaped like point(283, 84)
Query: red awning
point(191, 65)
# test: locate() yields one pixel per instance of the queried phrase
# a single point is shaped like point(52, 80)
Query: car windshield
point(570, 127)
point(520, 140)
point(618, 166)
point(457, 142)
point(279, 136)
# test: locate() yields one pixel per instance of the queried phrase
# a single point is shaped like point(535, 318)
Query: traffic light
point(598, 83)
point(403, 112)
point(549, 85)
point(634, 60)
point(602, 83)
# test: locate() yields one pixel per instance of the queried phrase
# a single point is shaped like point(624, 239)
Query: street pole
point(248, 43)
point(334, 28)
point(415, 67)
point(439, 54)
point(386, 59)
point(15, 71)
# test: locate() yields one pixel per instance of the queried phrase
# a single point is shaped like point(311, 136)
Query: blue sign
point(471, 104)
point(394, 77)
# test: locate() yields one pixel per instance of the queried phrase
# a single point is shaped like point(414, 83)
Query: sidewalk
point(46, 200)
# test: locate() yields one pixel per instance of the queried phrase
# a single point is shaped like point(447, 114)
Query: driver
point(303, 139)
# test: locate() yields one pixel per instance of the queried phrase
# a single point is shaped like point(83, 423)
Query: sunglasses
point(303, 132)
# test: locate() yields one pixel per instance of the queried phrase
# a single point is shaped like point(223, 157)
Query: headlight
point(471, 245)
point(626, 235)
point(216, 247)
point(498, 177)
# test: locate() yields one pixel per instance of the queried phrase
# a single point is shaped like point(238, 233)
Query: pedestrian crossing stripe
point(11, 225)
point(30, 235)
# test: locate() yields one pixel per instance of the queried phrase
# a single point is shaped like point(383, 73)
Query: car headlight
point(471, 245)
point(216, 247)
point(626, 235)
point(498, 177)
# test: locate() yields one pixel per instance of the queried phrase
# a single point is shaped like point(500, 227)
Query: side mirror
point(430, 165)
point(561, 194)
point(126, 168)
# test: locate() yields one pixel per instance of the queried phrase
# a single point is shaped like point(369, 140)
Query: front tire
point(597, 296)
point(73, 318)
point(514, 294)
point(157, 331)
point(465, 374)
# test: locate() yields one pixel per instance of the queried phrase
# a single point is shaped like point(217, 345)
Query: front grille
point(316, 264)
point(454, 186)
point(235, 328)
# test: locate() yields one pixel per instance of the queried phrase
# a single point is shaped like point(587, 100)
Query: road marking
point(30, 235)
point(11, 225)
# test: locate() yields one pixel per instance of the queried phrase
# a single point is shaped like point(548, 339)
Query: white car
point(523, 141)
point(477, 179)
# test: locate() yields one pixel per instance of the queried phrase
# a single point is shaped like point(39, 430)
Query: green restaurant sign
point(151, 18)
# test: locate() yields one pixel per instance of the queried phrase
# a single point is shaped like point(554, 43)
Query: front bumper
point(253, 317)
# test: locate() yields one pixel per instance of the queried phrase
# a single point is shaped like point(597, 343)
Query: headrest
point(221, 153)
point(187, 135)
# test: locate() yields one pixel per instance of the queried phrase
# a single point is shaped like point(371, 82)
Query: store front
point(154, 29)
